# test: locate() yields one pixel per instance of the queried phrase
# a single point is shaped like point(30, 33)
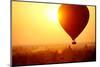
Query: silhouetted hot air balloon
point(73, 19)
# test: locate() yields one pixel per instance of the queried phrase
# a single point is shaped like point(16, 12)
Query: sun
point(52, 14)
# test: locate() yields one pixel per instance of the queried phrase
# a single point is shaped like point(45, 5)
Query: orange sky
point(37, 23)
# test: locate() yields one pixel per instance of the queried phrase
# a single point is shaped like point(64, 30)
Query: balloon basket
point(73, 42)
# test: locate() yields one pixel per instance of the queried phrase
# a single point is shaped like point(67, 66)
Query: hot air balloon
point(73, 19)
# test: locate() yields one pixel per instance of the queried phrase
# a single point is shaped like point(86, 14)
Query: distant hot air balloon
point(73, 19)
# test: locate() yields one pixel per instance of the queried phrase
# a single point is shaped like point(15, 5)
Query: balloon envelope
point(73, 19)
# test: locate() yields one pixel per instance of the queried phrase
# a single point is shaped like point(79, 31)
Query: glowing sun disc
point(52, 14)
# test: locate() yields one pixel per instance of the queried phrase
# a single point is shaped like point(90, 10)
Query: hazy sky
point(37, 23)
